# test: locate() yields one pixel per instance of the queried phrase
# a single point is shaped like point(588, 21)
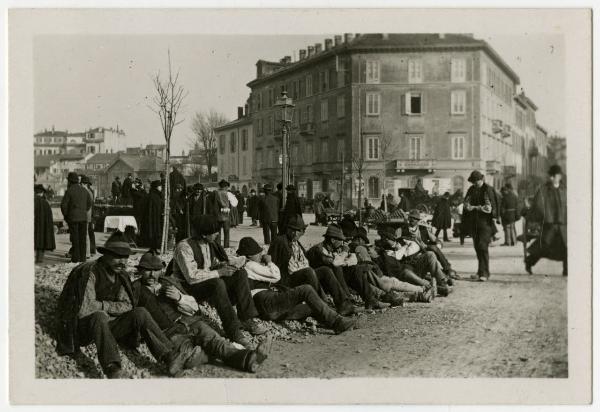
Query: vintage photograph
point(326, 205)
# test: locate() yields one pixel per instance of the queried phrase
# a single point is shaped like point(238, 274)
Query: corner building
point(394, 109)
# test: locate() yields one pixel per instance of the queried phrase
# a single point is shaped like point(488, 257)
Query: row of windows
point(233, 142)
point(458, 71)
point(496, 83)
point(414, 103)
point(415, 147)
point(232, 168)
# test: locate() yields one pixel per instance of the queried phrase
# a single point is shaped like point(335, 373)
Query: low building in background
point(52, 170)
point(97, 140)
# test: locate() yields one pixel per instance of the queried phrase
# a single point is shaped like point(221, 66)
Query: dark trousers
point(440, 257)
point(357, 277)
point(323, 280)
point(288, 305)
point(225, 292)
point(445, 231)
point(225, 226)
point(482, 236)
point(550, 245)
point(92, 237)
point(269, 231)
point(78, 235)
point(126, 329)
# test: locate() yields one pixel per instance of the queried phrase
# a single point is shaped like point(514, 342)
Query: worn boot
point(393, 298)
point(346, 308)
point(343, 324)
point(114, 371)
point(443, 289)
point(252, 326)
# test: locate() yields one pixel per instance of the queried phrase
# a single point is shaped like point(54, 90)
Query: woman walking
point(43, 224)
point(442, 219)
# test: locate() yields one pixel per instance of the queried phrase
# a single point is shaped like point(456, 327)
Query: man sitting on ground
point(290, 256)
point(97, 304)
point(331, 253)
point(276, 303)
point(207, 273)
point(174, 312)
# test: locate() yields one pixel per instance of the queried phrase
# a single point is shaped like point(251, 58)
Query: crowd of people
point(102, 303)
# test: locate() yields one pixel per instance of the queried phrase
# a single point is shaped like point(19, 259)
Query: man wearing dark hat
point(115, 190)
point(253, 207)
point(221, 209)
point(75, 205)
point(331, 253)
point(509, 214)
point(153, 217)
point(290, 256)
point(197, 202)
point(292, 207)
point(138, 200)
point(207, 273)
point(276, 303)
point(549, 208)
point(480, 210)
point(176, 178)
point(43, 224)
point(268, 211)
point(178, 212)
point(97, 304)
point(442, 220)
point(174, 312)
point(86, 182)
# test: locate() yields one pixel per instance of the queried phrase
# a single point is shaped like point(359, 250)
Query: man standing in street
point(253, 207)
point(549, 207)
point(509, 214)
point(222, 210)
point(269, 213)
point(115, 190)
point(87, 184)
point(480, 210)
point(74, 206)
point(126, 189)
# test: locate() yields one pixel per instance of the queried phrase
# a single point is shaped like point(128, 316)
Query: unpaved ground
point(515, 325)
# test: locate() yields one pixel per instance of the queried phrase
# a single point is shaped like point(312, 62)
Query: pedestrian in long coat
point(253, 207)
point(74, 206)
point(292, 208)
point(234, 216)
point(138, 198)
point(269, 207)
point(442, 219)
point(549, 207)
point(115, 190)
point(240, 206)
point(43, 224)
point(176, 178)
point(480, 210)
point(86, 182)
point(178, 213)
point(126, 190)
point(153, 218)
point(509, 214)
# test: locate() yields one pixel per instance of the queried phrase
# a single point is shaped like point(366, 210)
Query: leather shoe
point(343, 324)
point(253, 327)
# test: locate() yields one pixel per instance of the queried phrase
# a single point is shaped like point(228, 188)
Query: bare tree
point(205, 138)
point(386, 152)
point(166, 104)
point(358, 166)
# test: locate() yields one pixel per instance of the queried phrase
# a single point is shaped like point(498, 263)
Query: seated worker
point(422, 260)
point(207, 273)
point(421, 233)
point(97, 304)
point(174, 310)
point(274, 302)
point(289, 255)
point(332, 254)
point(368, 256)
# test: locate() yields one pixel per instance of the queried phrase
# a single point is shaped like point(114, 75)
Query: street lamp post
point(286, 105)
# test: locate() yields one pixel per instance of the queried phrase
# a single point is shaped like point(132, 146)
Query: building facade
point(235, 152)
point(98, 140)
point(393, 109)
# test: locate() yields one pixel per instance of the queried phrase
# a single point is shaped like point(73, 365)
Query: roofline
point(541, 128)
point(349, 49)
point(237, 122)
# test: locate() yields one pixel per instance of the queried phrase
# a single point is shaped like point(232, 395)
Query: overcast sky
point(90, 81)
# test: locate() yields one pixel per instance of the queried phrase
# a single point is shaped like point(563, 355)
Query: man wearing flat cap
point(480, 209)
point(174, 312)
point(549, 207)
point(207, 273)
point(97, 304)
point(333, 254)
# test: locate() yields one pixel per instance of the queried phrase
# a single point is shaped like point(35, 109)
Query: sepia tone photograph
point(323, 205)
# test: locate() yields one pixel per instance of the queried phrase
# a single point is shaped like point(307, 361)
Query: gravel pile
point(49, 280)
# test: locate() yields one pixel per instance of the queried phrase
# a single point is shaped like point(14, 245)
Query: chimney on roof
point(302, 54)
point(287, 59)
point(318, 48)
point(385, 36)
point(246, 109)
point(348, 37)
point(311, 51)
point(328, 44)
point(240, 112)
point(337, 39)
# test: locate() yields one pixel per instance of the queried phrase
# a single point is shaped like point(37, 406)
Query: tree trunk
point(167, 195)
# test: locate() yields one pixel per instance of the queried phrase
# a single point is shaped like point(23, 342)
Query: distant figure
point(74, 206)
point(176, 178)
point(253, 207)
point(178, 212)
point(269, 206)
point(153, 218)
point(240, 206)
point(442, 219)
point(509, 214)
point(234, 216)
point(138, 199)
point(404, 203)
point(126, 190)
point(43, 224)
point(222, 210)
point(197, 202)
point(549, 207)
point(115, 190)
point(87, 183)
point(292, 207)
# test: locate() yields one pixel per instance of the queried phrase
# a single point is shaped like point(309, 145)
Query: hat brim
point(119, 251)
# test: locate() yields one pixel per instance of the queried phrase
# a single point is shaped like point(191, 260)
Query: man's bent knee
point(99, 317)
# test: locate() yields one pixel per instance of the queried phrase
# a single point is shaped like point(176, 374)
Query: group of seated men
point(100, 303)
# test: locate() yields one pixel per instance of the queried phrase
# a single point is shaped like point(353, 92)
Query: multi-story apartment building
point(399, 107)
point(235, 152)
point(98, 140)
